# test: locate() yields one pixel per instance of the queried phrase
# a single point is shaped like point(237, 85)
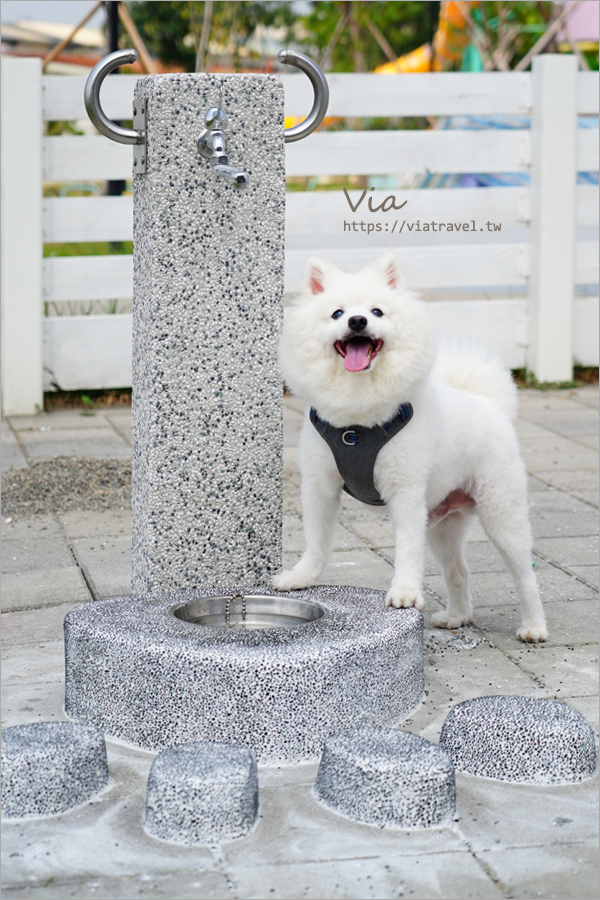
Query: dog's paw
point(535, 633)
point(292, 580)
point(445, 619)
point(404, 596)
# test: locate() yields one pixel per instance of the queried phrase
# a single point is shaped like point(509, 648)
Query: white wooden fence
point(547, 247)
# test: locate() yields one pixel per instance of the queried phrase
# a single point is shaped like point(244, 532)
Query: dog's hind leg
point(447, 540)
point(504, 516)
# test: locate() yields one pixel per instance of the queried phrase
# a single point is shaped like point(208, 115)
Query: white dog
point(358, 349)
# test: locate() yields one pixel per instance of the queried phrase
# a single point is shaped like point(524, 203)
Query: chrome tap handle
point(321, 89)
point(91, 98)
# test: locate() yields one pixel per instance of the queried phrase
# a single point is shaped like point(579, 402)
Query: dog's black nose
point(357, 323)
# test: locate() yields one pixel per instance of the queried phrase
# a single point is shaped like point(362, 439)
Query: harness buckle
point(350, 438)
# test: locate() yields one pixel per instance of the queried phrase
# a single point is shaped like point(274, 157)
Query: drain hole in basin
point(249, 612)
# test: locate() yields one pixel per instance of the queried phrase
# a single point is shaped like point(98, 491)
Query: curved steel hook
point(91, 98)
point(321, 89)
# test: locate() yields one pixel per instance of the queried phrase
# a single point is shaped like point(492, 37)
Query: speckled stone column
point(208, 301)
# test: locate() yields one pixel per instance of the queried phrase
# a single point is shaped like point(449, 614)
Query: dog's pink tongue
point(358, 356)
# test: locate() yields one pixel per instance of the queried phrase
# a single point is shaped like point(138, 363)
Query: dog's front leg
point(321, 495)
point(408, 512)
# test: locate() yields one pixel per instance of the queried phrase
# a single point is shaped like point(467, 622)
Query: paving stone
point(20, 666)
point(34, 627)
point(589, 574)
point(106, 562)
point(98, 523)
point(43, 587)
point(571, 551)
point(110, 447)
point(570, 422)
point(45, 423)
point(294, 542)
point(565, 671)
point(360, 568)
point(570, 622)
point(183, 885)
point(35, 553)
point(551, 524)
point(553, 872)
point(22, 528)
point(36, 702)
point(12, 455)
point(293, 827)
point(581, 483)
point(447, 876)
point(494, 815)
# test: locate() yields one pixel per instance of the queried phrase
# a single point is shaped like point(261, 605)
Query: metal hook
point(91, 98)
point(321, 89)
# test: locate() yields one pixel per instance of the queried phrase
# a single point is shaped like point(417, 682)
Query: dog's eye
point(377, 312)
point(337, 314)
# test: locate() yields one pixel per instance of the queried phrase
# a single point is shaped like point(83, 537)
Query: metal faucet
point(211, 144)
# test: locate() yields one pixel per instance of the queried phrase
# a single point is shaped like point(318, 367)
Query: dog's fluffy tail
point(472, 367)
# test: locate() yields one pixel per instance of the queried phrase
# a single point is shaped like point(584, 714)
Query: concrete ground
point(508, 840)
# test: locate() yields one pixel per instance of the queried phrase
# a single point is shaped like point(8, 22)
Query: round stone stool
point(49, 767)
point(388, 778)
point(522, 739)
point(202, 793)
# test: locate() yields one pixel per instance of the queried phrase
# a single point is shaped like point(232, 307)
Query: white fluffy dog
point(357, 347)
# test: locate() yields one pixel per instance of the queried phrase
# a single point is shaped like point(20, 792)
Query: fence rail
point(546, 247)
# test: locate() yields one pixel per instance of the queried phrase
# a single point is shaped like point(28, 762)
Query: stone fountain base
point(284, 672)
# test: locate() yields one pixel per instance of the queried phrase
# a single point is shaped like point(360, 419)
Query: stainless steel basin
point(252, 612)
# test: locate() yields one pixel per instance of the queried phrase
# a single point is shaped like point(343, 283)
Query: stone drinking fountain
point(204, 650)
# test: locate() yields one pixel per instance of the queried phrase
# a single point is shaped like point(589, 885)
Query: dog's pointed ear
point(387, 269)
point(315, 276)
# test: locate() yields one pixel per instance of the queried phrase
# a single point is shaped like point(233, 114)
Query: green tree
point(171, 29)
point(358, 36)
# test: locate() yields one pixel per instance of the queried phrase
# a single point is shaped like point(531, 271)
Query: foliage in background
point(172, 29)
point(343, 36)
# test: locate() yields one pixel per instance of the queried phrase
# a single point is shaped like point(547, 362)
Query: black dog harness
point(355, 450)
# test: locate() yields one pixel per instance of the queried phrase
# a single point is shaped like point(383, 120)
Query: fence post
point(22, 385)
point(553, 179)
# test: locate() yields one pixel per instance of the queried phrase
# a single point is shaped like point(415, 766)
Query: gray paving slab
point(21, 665)
point(44, 423)
point(109, 446)
point(35, 553)
point(580, 483)
point(293, 536)
point(11, 455)
point(550, 872)
point(500, 814)
point(565, 671)
point(41, 702)
point(184, 886)
point(440, 875)
point(588, 574)
point(98, 523)
point(570, 622)
point(43, 587)
point(22, 528)
point(572, 551)
point(106, 563)
point(34, 628)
